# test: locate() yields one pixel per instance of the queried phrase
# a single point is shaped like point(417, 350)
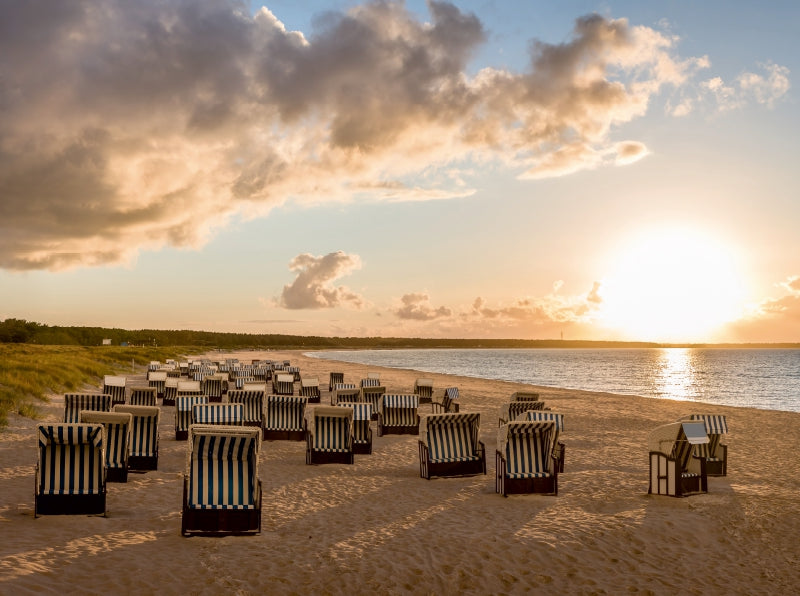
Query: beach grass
point(28, 372)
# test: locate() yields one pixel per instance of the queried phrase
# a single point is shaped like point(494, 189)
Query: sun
point(672, 285)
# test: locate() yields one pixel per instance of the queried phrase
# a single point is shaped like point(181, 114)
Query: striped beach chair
point(70, 470)
point(373, 395)
point(157, 379)
point(424, 389)
point(449, 445)
point(398, 414)
point(309, 388)
point(283, 418)
point(170, 391)
point(524, 461)
point(283, 383)
point(115, 387)
point(214, 386)
point(240, 381)
point(221, 488)
point(183, 414)
point(329, 435)
point(335, 377)
point(295, 371)
point(448, 403)
point(117, 427)
point(74, 403)
point(143, 396)
point(144, 436)
point(715, 452)
point(345, 392)
point(557, 447)
point(153, 365)
point(371, 382)
point(515, 409)
point(674, 470)
point(220, 414)
point(362, 433)
point(524, 396)
point(252, 405)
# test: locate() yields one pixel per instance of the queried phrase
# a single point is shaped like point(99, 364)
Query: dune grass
point(28, 373)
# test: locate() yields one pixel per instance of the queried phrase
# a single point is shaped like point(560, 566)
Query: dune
point(377, 527)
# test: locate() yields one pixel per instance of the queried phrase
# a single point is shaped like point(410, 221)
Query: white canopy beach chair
point(674, 471)
point(329, 435)
point(115, 387)
point(157, 379)
point(215, 386)
point(283, 383)
point(449, 445)
point(309, 388)
point(424, 389)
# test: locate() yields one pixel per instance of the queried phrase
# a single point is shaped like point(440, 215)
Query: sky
point(477, 169)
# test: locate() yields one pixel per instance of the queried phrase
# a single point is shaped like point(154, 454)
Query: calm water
point(763, 378)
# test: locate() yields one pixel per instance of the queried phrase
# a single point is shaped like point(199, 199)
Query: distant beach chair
point(715, 452)
point(362, 433)
point(424, 389)
point(329, 435)
point(183, 414)
point(284, 418)
point(674, 471)
point(345, 392)
point(220, 414)
point(295, 371)
point(398, 414)
point(143, 396)
point(117, 426)
point(372, 396)
point(170, 391)
point(157, 379)
point(215, 386)
point(74, 403)
point(525, 462)
point(115, 387)
point(449, 445)
point(186, 388)
point(240, 381)
point(70, 470)
point(283, 383)
point(144, 436)
point(221, 488)
point(371, 382)
point(309, 388)
point(252, 405)
point(558, 448)
point(524, 396)
point(513, 410)
point(448, 403)
point(153, 365)
point(335, 377)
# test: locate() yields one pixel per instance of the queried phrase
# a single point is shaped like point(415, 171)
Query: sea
point(755, 378)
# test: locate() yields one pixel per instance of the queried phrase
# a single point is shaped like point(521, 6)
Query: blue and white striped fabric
point(224, 414)
point(213, 385)
point(331, 429)
point(183, 410)
point(143, 396)
point(223, 467)
point(115, 387)
point(157, 379)
point(334, 379)
point(252, 405)
point(423, 387)
point(294, 371)
point(716, 426)
point(399, 409)
point(243, 380)
point(71, 459)
point(451, 437)
point(372, 395)
point(309, 387)
point(536, 416)
point(75, 402)
point(516, 409)
point(144, 429)
point(285, 412)
point(283, 383)
point(527, 448)
point(117, 426)
point(362, 415)
point(370, 382)
point(451, 392)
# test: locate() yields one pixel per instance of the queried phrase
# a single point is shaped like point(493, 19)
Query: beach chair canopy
point(330, 428)
point(451, 437)
point(524, 396)
point(117, 427)
point(527, 448)
point(285, 412)
point(74, 403)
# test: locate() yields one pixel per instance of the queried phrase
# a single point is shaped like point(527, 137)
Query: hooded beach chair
point(185, 389)
point(115, 387)
point(362, 433)
point(144, 436)
point(170, 391)
point(74, 403)
point(242, 380)
point(157, 379)
point(283, 383)
point(221, 488)
point(371, 382)
point(674, 470)
point(70, 470)
point(525, 462)
point(398, 414)
point(715, 452)
point(309, 388)
point(284, 418)
point(345, 392)
point(524, 396)
point(215, 386)
point(515, 409)
point(252, 402)
point(295, 371)
point(329, 435)
point(449, 445)
point(372, 396)
point(424, 389)
point(183, 414)
point(448, 403)
point(557, 447)
point(336, 377)
point(143, 396)
point(220, 414)
point(117, 426)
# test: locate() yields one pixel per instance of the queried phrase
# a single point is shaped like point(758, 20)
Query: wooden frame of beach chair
point(558, 448)
point(524, 396)
point(514, 410)
point(157, 379)
point(74, 403)
point(144, 436)
point(345, 392)
point(183, 414)
point(398, 414)
point(423, 387)
point(70, 470)
point(335, 377)
point(372, 395)
point(715, 452)
point(309, 388)
point(448, 403)
point(329, 435)
point(674, 470)
point(143, 396)
point(117, 427)
point(362, 432)
point(283, 384)
point(252, 405)
point(215, 386)
point(221, 488)
point(284, 418)
point(525, 462)
point(115, 387)
point(449, 445)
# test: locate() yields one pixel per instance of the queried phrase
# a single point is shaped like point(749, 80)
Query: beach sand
point(376, 526)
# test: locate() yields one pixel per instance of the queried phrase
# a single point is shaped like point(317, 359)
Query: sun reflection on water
point(675, 376)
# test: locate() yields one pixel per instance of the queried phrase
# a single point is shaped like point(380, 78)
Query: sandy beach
point(377, 527)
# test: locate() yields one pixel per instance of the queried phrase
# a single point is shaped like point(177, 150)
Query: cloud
point(417, 307)
point(764, 88)
point(136, 125)
point(313, 287)
point(774, 318)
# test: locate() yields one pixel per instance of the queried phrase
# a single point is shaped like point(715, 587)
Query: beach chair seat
point(221, 489)
point(117, 428)
point(215, 386)
point(558, 448)
point(309, 388)
point(70, 469)
point(524, 396)
point(674, 469)
point(398, 414)
point(283, 384)
point(115, 387)
point(424, 389)
point(219, 414)
point(157, 379)
point(449, 445)
point(345, 392)
point(448, 403)
point(252, 402)
point(362, 433)
point(284, 418)
point(74, 403)
point(144, 436)
point(372, 395)
point(183, 414)
point(143, 396)
point(329, 435)
point(524, 458)
point(335, 377)
point(716, 451)
point(516, 409)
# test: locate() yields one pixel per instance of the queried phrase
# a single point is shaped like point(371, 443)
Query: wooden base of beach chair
point(168, 401)
point(221, 522)
point(397, 430)
point(143, 462)
point(362, 448)
point(547, 485)
point(716, 468)
point(70, 504)
point(116, 474)
point(181, 435)
point(215, 399)
point(455, 468)
point(284, 435)
point(328, 457)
